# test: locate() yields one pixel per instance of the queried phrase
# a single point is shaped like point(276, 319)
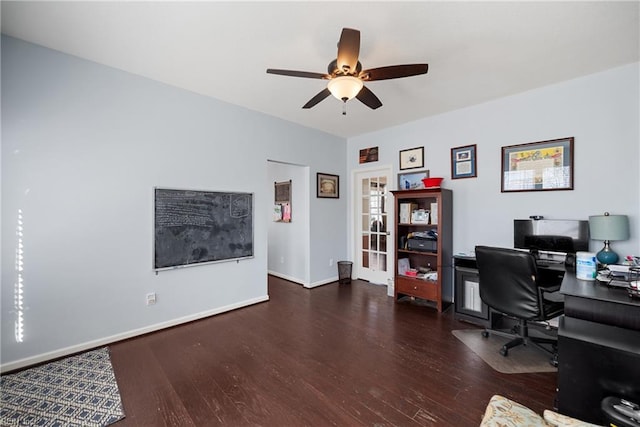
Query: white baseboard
point(322, 282)
point(289, 278)
point(302, 282)
point(22, 363)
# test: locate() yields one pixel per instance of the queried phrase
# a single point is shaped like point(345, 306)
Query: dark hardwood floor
point(336, 355)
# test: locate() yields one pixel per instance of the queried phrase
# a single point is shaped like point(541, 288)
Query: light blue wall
point(601, 111)
point(83, 146)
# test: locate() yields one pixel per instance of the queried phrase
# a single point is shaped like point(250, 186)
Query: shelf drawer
point(417, 288)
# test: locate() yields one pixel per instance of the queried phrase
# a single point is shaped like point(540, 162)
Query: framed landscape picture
point(412, 180)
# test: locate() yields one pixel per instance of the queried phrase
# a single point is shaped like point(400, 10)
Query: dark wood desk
point(598, 348)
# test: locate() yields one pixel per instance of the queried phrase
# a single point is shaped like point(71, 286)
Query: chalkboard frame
point(246, 253)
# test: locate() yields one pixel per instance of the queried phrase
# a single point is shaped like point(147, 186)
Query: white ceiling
point(476, 51)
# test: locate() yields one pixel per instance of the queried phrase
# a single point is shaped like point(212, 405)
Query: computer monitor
point(551, 235)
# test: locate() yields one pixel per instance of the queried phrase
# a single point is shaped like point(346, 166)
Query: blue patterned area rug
point(79, 390)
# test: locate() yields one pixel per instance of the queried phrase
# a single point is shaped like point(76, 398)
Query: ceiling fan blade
point(348, 50)
point(394, 72)
point(316, 99)
point(368, 98)
point(293, 73)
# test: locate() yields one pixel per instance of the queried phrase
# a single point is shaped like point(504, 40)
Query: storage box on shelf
point(423, 245)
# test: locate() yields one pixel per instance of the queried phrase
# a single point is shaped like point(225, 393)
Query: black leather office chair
point(510, 284)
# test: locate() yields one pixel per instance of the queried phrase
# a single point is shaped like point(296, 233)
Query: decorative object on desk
point(538, 166)
point(608, 227)
point(432, 182)
point(463, 162)
point(412, 158)
point(632, 260)
point(412, 180)
point(368, 155)
point(328, 186)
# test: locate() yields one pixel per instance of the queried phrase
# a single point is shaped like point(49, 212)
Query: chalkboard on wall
point(194, 227)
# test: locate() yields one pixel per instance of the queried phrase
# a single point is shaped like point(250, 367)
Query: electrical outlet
point(151, 298)
point(330, 262)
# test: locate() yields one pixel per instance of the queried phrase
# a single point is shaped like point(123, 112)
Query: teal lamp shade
point(608, 227)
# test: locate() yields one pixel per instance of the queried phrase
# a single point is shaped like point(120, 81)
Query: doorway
point(373, 227)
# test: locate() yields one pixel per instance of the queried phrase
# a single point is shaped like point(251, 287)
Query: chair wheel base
point(485, 334)
point(504, 351)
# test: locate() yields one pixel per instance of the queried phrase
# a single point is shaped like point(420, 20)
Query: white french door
point(373, 226)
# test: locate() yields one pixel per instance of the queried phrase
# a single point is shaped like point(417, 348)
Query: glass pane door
point(374, 228)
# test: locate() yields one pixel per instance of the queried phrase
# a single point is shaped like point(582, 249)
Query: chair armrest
point(549, 289)
point(542, 290)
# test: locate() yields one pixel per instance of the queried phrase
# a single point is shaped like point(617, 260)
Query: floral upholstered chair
point(503, 412)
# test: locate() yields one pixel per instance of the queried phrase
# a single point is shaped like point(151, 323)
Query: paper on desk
point(610, 280)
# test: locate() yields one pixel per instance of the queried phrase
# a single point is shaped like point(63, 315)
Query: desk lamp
point(608, 227)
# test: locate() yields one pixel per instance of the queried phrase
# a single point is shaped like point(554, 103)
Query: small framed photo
point(538, 166)
point(328, 186)
point(412, 180)
point(463, 162)
point(369, 155)
point(413, 158)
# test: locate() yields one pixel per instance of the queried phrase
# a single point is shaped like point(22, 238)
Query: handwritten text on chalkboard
point(193, 227)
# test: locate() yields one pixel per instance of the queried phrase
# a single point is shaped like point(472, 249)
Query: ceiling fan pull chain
point(344, 107)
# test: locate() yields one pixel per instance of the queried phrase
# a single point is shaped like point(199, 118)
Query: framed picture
point(328, 186)
point(282, 191)
point(368, 155)
point(463, 162)
point(412, 180)
point(282, 202)
point(538, 166)
point(413, 158)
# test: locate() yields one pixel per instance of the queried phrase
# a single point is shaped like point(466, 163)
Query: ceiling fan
point(346, 76)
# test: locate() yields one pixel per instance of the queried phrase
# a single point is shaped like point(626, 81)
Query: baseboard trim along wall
point(288, 278)
point(322, 282)
point(23, 363)
point(302, 282)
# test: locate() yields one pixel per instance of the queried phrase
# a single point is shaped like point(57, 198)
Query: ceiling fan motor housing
point(333, 70)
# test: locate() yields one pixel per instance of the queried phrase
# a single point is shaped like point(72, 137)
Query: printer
point(422, 241)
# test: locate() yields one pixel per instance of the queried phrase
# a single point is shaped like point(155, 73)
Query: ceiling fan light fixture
point(345, 87)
